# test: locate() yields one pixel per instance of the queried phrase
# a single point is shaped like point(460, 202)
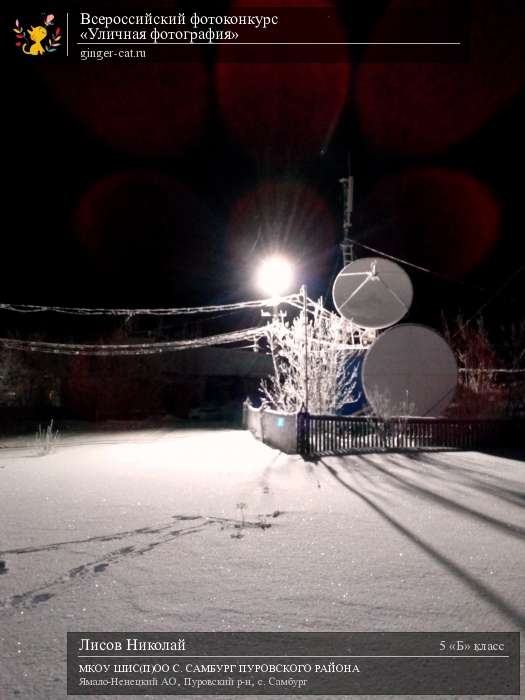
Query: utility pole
point(305, 313)
point(347, 246)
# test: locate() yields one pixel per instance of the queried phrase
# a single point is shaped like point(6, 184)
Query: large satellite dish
point(410, 370)
point(373, 293)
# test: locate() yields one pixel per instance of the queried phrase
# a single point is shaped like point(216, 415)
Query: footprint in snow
point(41, 598)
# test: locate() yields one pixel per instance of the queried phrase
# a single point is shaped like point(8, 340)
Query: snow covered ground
point(140, 532)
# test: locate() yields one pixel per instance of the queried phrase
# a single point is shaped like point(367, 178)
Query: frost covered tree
point(328, 369)
point(481, 390)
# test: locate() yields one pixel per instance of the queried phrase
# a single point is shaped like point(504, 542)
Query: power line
point(118, 350)
point(183, 324)
point(403, 262)
point(426, 270)
point(182, 311)
point(485, 370)
point(496, 293)
point(157, 347)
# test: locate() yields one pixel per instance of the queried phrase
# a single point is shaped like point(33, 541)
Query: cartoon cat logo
point(38, 40)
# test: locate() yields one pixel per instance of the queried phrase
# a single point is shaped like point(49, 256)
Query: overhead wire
point(182, 311)
point(443, 277)
point(498, 291)
point(129, 349)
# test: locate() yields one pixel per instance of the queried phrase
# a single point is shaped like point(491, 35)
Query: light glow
point(275, 276)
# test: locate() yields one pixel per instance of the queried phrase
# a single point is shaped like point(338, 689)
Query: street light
point(275, 276)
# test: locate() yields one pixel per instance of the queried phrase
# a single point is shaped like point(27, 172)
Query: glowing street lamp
point(275, 276)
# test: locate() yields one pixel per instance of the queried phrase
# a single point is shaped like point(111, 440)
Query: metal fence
point(323, 435)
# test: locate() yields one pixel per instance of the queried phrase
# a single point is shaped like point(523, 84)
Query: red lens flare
point(424, 108)
point(444, 220)
point(141, 220)
point(147, 110)
point(283, 113)
point(282, 217)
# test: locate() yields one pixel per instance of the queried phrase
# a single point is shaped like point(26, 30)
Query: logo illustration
point(39, 40)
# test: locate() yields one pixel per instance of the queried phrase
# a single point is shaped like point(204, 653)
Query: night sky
point(163, 184)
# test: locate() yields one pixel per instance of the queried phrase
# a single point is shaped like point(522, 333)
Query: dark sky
point(163, 184)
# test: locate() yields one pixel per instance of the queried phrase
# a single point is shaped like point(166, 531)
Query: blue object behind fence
point(354, 364)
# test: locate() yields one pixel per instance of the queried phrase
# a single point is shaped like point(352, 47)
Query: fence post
point(303, 433)
point(245, 405)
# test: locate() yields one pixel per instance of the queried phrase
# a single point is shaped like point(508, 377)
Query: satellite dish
point(373, 293)
point(410, 370)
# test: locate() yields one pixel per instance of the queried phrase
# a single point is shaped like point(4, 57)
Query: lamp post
point(305, 313)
